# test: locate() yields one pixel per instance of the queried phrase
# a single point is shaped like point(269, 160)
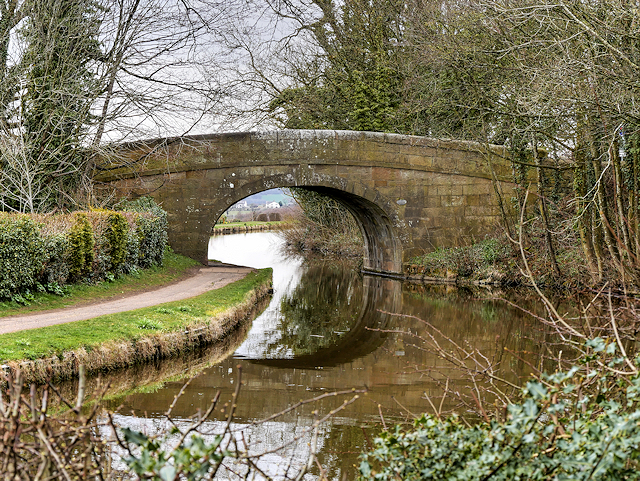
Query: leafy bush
point(194, 458)
point(22, 254)
point(56, 269)
point(557, 432)
point(81, 243)
point(153, 240)
point(44, 252)
point(117, 236)
point(151, 229)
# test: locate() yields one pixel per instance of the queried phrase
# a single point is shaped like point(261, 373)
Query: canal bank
point(117, 340)
point(245, 228)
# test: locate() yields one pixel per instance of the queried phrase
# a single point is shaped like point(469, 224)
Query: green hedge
point(44, 252)
point(22, 254)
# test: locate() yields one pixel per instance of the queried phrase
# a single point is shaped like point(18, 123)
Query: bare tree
point(95, 70)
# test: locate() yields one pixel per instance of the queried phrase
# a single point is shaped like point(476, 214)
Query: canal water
point(328, 328)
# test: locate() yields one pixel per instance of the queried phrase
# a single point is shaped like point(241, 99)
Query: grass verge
point(117, 340)
point(490, 260)
point(175, 267)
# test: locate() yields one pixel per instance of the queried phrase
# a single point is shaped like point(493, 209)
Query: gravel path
point(206, 279)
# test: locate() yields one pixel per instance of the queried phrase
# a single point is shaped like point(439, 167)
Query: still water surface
point(329, 328)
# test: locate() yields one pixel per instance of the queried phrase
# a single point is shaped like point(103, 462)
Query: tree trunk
point(543, 208)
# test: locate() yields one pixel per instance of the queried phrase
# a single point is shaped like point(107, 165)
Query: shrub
point(56, 269)
point(151, 229)
point(557, 431)
point(81, 245)
point(22, 254)
point(153, 240)
point(133, 251)
point(117, 236)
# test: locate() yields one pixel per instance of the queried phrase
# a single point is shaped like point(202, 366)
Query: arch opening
point(270, 205)
point(382, 245)
point(382, 249)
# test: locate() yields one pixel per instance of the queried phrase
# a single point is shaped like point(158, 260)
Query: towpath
point(205, 279)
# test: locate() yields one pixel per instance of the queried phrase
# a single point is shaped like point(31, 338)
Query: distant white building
point(272, 205)
point(241, 205)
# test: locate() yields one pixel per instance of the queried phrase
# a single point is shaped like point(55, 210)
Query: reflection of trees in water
point(502, 330)
point(324, 306)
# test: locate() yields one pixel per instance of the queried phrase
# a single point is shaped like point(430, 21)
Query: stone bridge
point(408, 194)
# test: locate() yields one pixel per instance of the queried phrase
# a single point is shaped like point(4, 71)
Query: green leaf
point(168, 473)
point(537, 390)
point(134, 437)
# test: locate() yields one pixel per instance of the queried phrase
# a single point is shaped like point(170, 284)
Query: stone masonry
point(409, 194)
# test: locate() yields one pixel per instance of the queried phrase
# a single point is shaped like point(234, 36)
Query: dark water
point(328, 328)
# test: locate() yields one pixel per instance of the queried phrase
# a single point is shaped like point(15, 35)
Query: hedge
point(44, 252)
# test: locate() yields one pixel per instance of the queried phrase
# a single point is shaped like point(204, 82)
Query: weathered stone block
point(481, 211)
point(451, 200)
point(477, 189)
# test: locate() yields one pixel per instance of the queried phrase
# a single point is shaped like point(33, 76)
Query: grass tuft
point(149, 324)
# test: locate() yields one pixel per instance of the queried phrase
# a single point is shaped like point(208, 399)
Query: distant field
point(247, 224)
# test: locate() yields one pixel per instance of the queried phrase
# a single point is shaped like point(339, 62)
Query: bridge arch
point(408, 194)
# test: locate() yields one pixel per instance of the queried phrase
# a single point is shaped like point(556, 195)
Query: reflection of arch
point(375, 215)
point(379, 295)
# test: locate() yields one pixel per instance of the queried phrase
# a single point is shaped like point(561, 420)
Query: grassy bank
point(499, 262)
point(175, 267)
point(491, 260)
point(118, 340)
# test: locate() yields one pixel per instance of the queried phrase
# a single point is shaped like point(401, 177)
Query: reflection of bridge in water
point(378, 294)
point(391, 366)
point(408, 194)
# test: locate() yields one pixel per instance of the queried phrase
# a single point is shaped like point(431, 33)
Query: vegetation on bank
point(228, 225)
point(43, 253)
point(489, 260)
point(115, 340)
point(325, 227)
point(497, 260)
point(173, 268)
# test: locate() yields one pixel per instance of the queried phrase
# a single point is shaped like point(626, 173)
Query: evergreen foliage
point(117, 237)
point(151, 230)
point(22, 254)
point(354, 82)
point(81, 242)
point(47, 251)
point(61, 84)
point(554, 432)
